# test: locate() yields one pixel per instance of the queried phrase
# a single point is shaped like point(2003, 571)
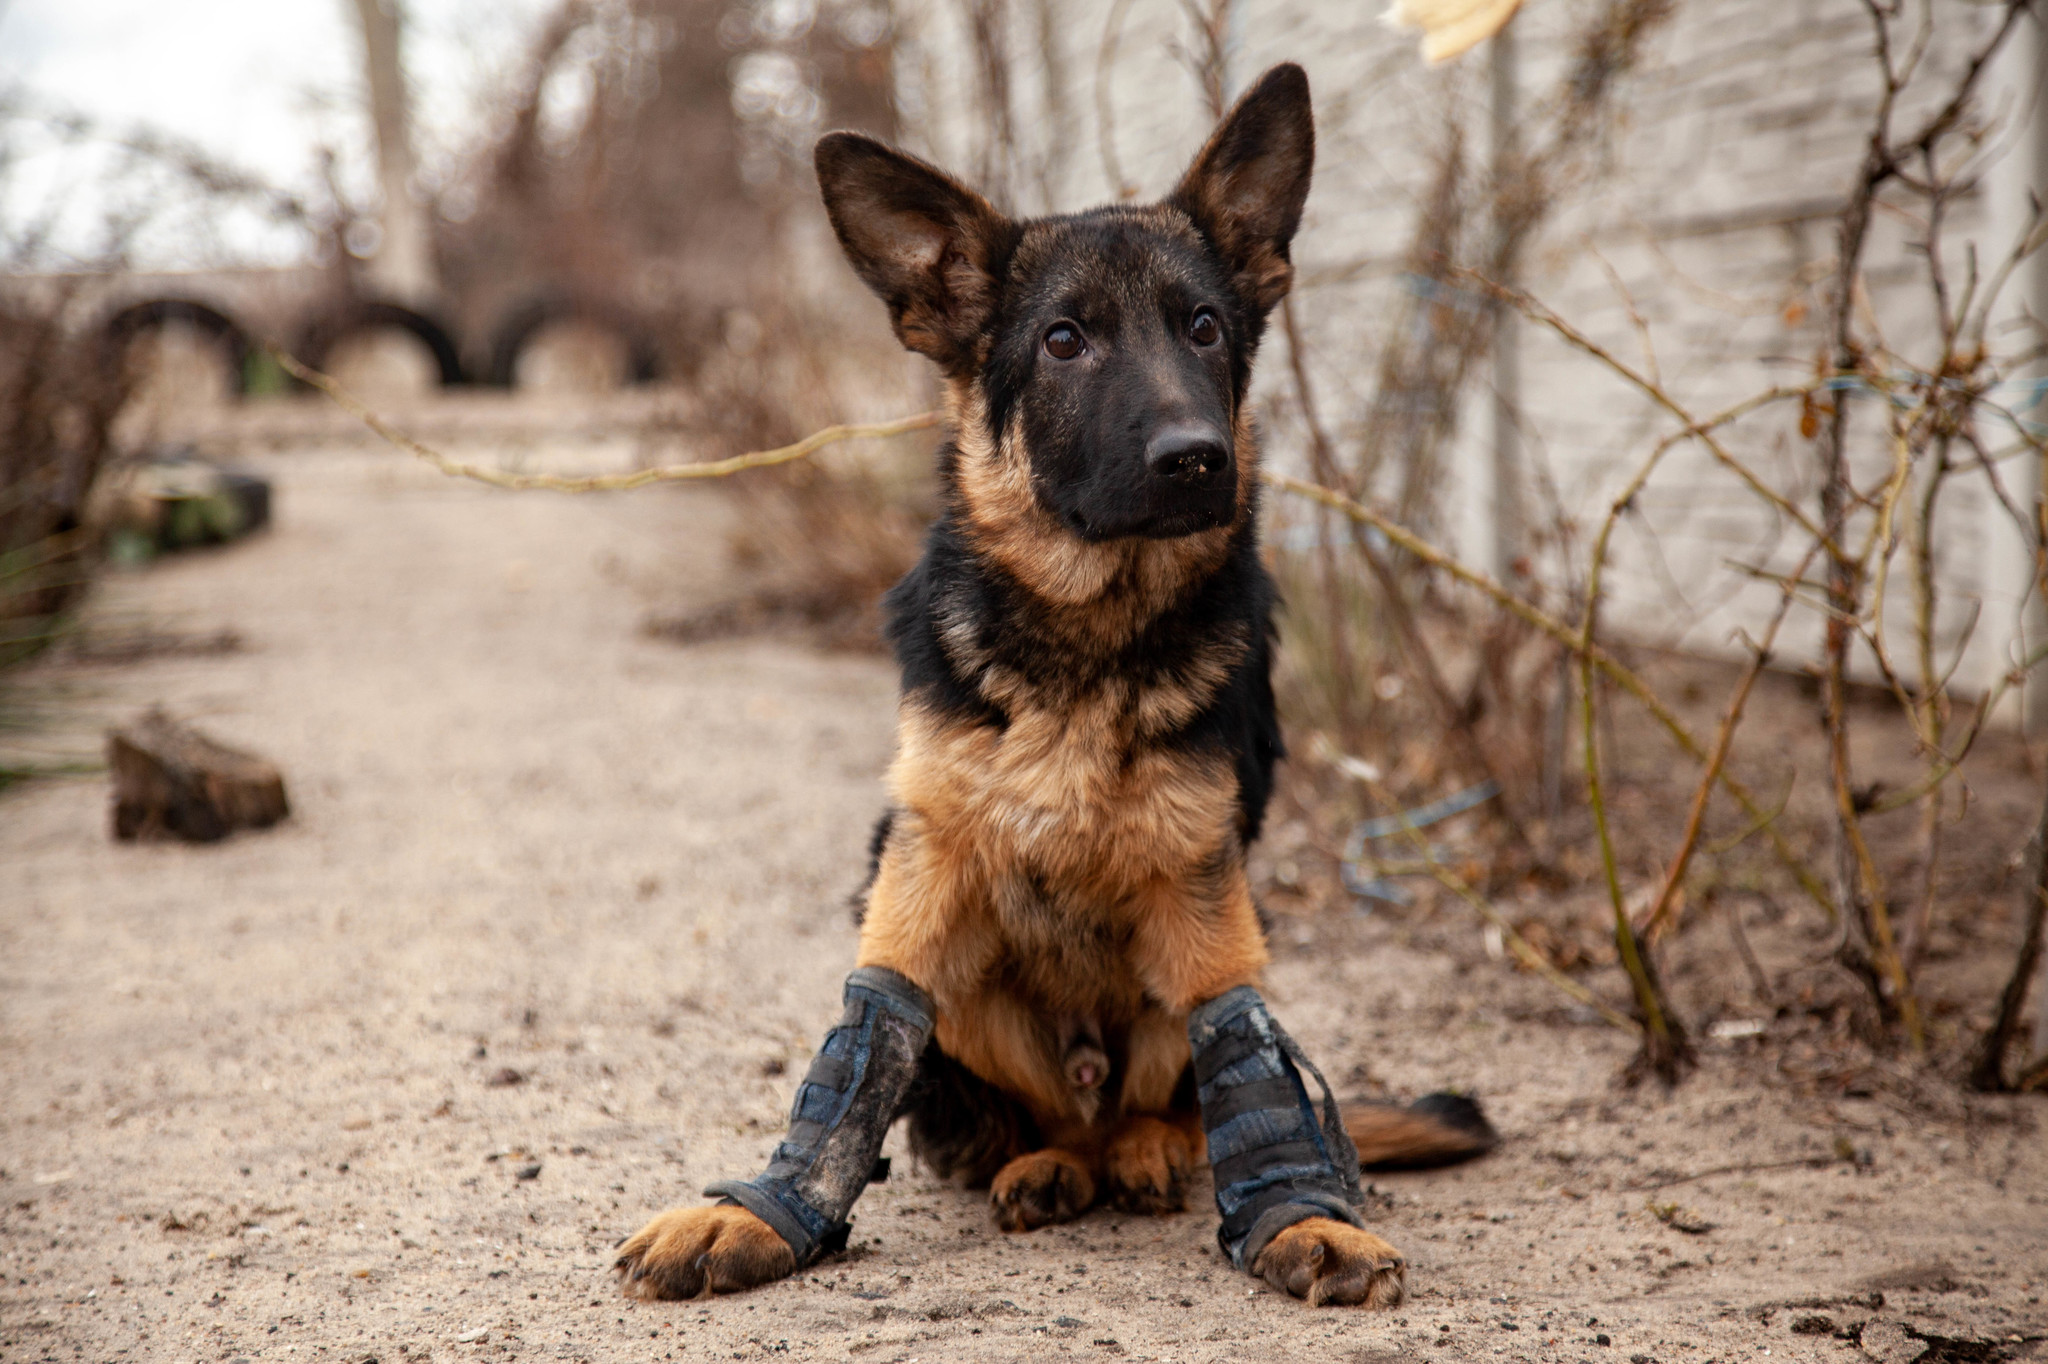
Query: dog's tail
point(1437, 1129)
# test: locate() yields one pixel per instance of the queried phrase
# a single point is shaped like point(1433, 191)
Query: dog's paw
point(1331, 1264)
point(1147, 1164)
point(1040, 1189)
point(689, 1251)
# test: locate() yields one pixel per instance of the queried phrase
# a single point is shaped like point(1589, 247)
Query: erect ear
point(925, 243)
point(1246, 188)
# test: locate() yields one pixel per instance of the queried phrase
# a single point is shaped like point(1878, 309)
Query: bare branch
point(594, 483)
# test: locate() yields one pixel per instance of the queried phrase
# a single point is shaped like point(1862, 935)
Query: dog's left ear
point(1246, 188)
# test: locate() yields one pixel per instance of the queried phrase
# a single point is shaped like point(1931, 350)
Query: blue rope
point(1423, 816)
point(2033, 392)
point(1384, 888)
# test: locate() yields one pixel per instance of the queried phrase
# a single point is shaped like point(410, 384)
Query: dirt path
point(247, 1107)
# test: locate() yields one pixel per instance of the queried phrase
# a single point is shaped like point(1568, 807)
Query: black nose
point(1187, 453)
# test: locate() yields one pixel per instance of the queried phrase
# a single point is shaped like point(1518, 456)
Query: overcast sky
point(259, 83)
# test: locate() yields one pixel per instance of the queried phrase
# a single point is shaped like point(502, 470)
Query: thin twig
point(1323, 457)
point(1746, 1168)
point(1987, 1069)
point(1933, 709)
point(1987, 705)
point(1665, 1049)
point(592, 483)
point(1695, 819)
point(1754, 827)
point(1758, 980)
point(1703, 430)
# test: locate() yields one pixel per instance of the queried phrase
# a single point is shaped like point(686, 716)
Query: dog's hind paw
point(1329, 1264)
point(1147, 1164)
point(686, 1252)
point(1039, 1189)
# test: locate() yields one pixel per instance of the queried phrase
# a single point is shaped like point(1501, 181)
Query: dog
point(1059, 949)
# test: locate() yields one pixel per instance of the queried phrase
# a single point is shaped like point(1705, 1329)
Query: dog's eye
point(1205, 330)
point(1063, 342)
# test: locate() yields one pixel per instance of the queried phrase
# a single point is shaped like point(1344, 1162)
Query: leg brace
point(1275, 1164)
point(843, 1109)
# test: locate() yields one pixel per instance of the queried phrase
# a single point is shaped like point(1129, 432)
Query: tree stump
point(170, 781)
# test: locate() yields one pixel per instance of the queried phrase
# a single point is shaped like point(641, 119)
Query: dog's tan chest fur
point(1040, 871)
point(1066, 798)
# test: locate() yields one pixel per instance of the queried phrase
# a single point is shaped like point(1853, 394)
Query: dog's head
point(1104, 354)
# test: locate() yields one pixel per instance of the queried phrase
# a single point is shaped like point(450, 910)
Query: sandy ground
point(247, 1098)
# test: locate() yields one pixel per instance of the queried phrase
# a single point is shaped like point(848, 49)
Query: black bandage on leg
point(843, 1109)
point(1275, 1163)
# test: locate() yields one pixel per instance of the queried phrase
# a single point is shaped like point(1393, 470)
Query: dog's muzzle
point(843, 1109)
point(1275, 1163)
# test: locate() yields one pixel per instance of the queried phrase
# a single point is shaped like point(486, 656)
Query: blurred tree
point(402, 264)
point(648, 152)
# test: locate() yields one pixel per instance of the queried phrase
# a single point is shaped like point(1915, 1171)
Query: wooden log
point(171, 781)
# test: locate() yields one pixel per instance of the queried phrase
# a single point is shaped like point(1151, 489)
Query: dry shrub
point(819, 541)
point(1420, 686)
point(1434, 682)
point(1438, 691)
point(58, 398)
point(824, 546)
point(659, 205)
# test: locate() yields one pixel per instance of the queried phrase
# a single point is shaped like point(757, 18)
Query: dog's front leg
point(1286, 1176)
point(770, 1226)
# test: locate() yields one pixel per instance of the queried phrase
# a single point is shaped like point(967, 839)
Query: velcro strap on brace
point(1275, 1163)
point(843, 1109)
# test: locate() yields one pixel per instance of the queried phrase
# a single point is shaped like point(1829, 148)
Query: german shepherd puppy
point(1087, 728)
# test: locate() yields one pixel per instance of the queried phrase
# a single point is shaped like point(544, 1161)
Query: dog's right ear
point(925, 243)
point(1247, 186)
